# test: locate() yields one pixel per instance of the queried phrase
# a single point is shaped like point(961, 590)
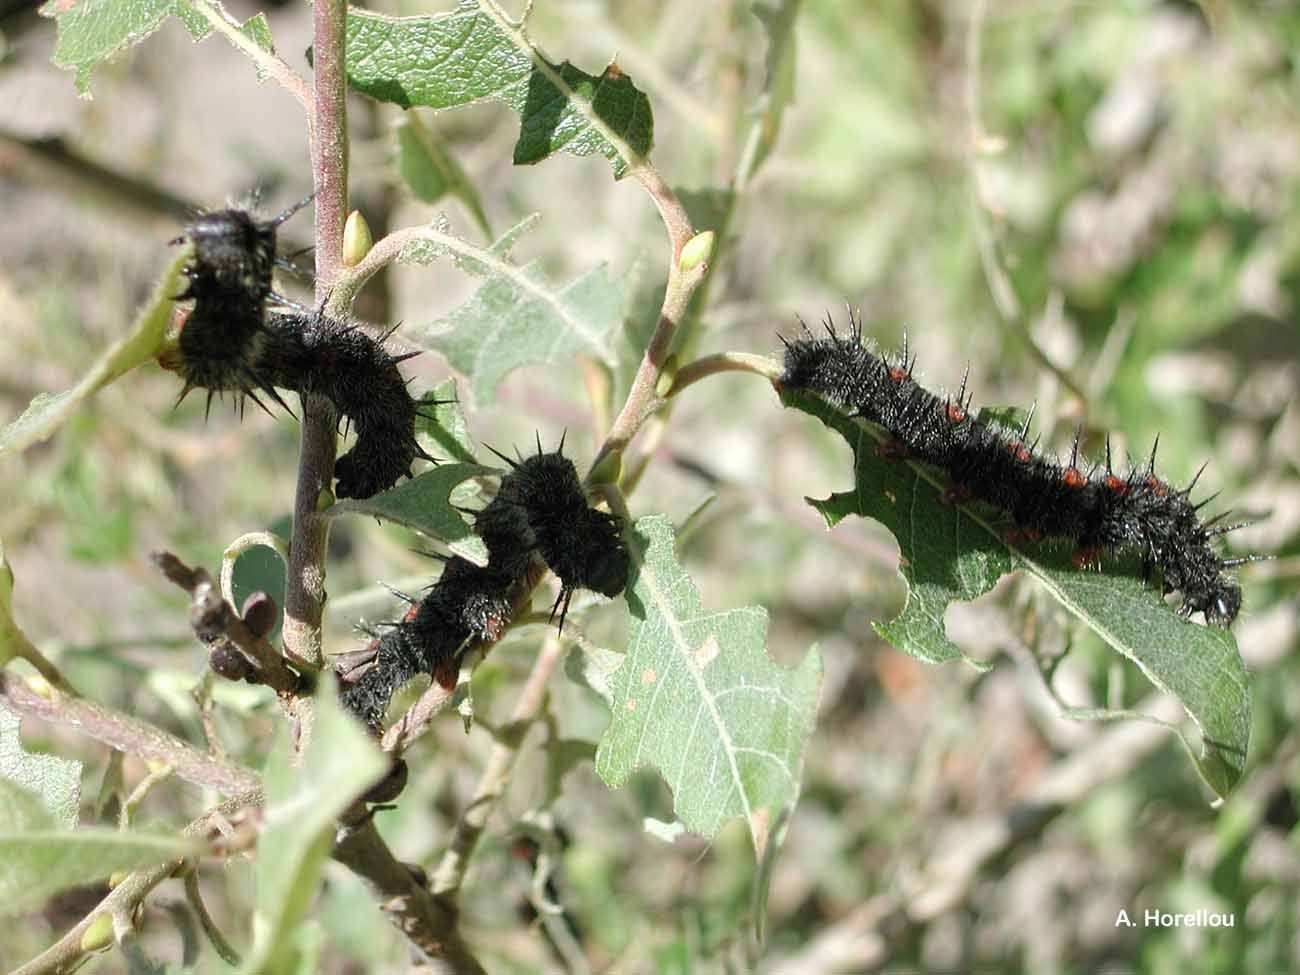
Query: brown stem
point(330, 145)
point(692, 372)
point(642, 400)
point(305, 585)
point(66, 954)
point(126, 734)
point(415, 721)
point(427, 923)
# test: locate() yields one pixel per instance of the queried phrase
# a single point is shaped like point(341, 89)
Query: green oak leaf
point(475, 52)
point(517, 317)
point(698, 698)
point(955, 553)
point(425, 504)
point(56, 782)
point(92, 32)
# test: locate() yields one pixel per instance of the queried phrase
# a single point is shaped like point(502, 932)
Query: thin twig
point(305, 584)
point(140, 793)
point(692, 372)
point(24, 649)
point(415, 721)
point(642, 401)
point(67, 954)
point(450, 873)
point(215, 620)
point(267, 62)
point(202, 694)
point(215, 937)
point(126, 734)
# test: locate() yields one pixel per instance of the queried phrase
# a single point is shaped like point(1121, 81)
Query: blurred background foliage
point(1096, 205)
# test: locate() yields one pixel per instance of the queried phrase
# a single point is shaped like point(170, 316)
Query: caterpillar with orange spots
point(1101, 511)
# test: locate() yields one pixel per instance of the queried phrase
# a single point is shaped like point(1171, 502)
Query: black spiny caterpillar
point(542, 499)
point(230, 282)
point(468, 604)
point(540, 510)
point(230, 342)
point(313, 354)
point(1101, 511)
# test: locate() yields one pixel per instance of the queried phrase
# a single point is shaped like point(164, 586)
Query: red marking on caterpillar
point(1101, 512)
point(540, 512)
point(231, 343)
point(468, 605)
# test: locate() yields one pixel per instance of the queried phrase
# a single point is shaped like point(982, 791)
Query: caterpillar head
point(233, 255)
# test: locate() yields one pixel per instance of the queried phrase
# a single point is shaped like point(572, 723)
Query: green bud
point(357, 239)
point(667, 376)
point(698, 250)
point(98, 934)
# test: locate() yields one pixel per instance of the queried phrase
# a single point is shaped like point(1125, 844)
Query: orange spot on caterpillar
point(1136, 512)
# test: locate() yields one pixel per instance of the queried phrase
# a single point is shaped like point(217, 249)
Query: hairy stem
point(126, 734)
point(330, 143)
point(305, 585)
point(693, 372)
point(428, 924)
point(642, 401)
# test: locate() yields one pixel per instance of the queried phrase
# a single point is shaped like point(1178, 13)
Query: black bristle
point(231, 342)
point(1098, 511)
